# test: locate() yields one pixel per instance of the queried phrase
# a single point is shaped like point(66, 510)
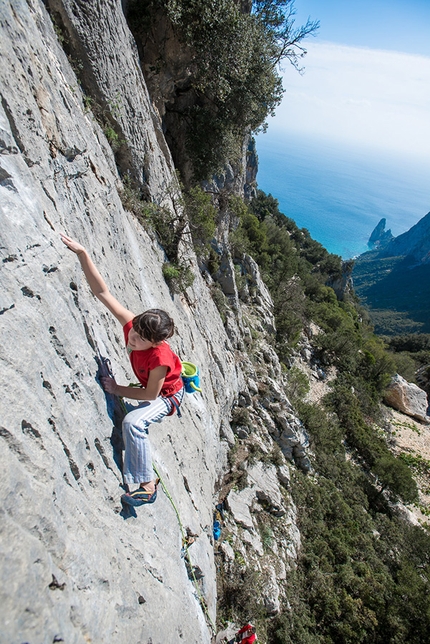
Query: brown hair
point(154, 325)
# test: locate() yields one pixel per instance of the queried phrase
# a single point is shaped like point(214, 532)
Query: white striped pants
point(137, 466)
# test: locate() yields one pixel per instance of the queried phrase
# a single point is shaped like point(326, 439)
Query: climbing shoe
point(140, 497)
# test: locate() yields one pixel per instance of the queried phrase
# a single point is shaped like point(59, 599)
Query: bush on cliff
point(360, 578)
point(191, 221)
point(293, 265)
point(411, 353)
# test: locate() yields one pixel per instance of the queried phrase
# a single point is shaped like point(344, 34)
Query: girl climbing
point(156, 367)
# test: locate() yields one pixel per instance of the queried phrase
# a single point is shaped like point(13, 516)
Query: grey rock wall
point(104, 53)
point(74, 568)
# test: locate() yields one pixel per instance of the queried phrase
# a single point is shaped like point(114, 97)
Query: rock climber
point(246, 635)
point(158, 370)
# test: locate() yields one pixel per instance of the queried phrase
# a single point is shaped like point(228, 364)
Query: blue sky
point(367, 77)
point(396, 25)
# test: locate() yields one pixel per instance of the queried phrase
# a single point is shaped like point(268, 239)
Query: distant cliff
point(413, 245)
point(393, 280)
point(379, 237)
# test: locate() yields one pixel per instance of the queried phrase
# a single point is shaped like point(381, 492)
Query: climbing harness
point(190, 377)
point(175, 405)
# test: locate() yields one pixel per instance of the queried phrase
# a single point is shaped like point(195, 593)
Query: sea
point(340, 193)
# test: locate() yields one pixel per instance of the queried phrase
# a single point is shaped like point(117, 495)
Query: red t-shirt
point(143, 362)
point(244, 636)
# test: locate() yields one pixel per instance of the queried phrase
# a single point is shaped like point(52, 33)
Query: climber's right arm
point(96, 282)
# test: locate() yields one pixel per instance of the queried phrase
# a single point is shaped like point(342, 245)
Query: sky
point(367, 77)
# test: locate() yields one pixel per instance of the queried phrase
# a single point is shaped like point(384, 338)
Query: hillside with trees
point(393, 282)
point(213, 71)
point(348, 585)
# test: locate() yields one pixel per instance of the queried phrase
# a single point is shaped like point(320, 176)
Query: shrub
point(352, 584)
point(298, 384)
point(240, 416)
point(178, 277)
point(202, 216)
point(390, 472)
point(220, 301)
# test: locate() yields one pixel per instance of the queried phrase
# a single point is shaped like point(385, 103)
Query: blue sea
point(341, 194)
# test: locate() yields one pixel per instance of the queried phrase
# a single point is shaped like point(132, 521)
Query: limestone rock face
point(271, 594)
point(237, 177)
point(343, 285)
point(408, 398)
point(105, 54)
point(75, 567)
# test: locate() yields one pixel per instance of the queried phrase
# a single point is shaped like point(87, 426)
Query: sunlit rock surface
point(73, 566)
point(76, 567)
point(407, 397)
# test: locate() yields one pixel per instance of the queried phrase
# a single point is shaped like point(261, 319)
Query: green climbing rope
point(185, 544)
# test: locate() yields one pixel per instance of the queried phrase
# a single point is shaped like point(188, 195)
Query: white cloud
point(359, 96)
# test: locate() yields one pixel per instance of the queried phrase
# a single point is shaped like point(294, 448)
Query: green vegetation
point(114, 141)
point(417, 462)
point(359, 576)
point(179, 277)
point(202, 216)
point(294, 266)
point(363, 576)
point(242, 588)
point(240, 416)
point(417, 343)
point(234, 51)
point(298, 385)
point(286, 256)
point(411, 353)
point(396, 293)
point(220, 301)
point(189, 221)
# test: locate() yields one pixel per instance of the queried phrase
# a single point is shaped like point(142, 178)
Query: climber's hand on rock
point(110, 385)
point(73, 245)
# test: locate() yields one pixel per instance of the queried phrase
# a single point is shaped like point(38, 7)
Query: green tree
point(234, 83)
point(395, 475)
point(202, 217)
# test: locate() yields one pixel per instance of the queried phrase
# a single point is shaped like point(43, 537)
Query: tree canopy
point(236, 48)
